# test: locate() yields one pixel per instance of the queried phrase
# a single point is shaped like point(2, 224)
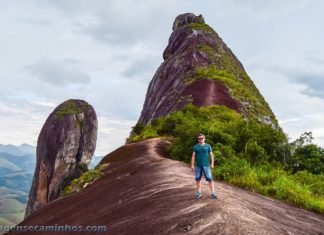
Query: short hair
point(201, 134)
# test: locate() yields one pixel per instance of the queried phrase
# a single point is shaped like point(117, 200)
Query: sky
point(107, 52)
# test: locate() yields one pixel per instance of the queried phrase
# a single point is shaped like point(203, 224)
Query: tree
point(306, 155)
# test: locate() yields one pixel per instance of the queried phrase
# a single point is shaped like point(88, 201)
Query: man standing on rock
point(200, 157)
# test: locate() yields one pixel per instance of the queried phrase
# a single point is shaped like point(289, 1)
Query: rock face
point(65, 147)
point(199, 68)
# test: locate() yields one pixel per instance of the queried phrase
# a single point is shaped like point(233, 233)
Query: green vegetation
point(306, 155)
point(207, 49)
point(226, 68)
point(86, 178)
point(71, 107)
point(248, 153)
point(202, 26)
point(79, 124)
point(82, 166)
point(303, 188)
point(242, 90)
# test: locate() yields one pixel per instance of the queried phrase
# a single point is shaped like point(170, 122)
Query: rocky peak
point(187, 18)
point(65, 147)
point(199, 68)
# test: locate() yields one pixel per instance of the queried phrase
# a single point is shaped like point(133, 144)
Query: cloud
point(58, 73)
point(112, 133)
point(118, 22)
point(314, 83)
point(309, 76)
point(37, 22)
point(313, 58)
point(142, 68)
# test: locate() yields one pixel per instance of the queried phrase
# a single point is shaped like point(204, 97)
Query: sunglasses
point(200, 138)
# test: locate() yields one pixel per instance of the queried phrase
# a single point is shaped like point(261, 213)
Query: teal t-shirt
point(202, 154)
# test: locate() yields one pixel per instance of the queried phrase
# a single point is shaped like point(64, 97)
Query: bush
point(315, 183)
point(304, 188)
point(137, 129)
point(87, 177)
point(308, 157)
point(147, 132)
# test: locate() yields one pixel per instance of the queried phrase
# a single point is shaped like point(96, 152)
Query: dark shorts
point(207, 173)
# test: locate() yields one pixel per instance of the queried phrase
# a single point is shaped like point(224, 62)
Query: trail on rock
point(144, 192)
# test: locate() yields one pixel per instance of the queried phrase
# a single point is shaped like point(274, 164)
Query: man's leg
point(209, 178)
point(198, 172)
point(211, 186)
point(198, 186)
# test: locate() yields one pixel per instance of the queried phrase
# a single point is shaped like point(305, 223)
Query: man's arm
point(211, 159)
point(193, 160)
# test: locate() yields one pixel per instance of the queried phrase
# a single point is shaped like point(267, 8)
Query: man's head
point(201, 138)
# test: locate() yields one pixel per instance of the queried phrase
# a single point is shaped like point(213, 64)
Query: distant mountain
point(28, 149)
point(23, 149)
point(17, 165)
point(17, 180)
point(7, 166)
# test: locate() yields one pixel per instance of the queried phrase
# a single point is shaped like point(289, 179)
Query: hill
point(143, 192)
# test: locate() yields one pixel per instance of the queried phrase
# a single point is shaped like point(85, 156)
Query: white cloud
point(296, 110)
point(58, 73)
point(118, 22)
point(113, 133)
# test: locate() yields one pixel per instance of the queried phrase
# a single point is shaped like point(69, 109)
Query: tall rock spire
point(65, 147)
point(199, 68)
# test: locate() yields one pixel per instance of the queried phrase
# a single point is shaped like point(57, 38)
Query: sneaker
point(198, 195)
point(213, 195)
